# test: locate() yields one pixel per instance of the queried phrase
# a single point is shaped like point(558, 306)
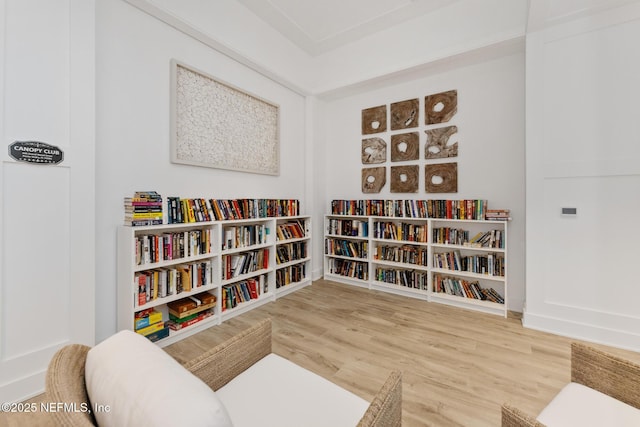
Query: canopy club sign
point(36, 152)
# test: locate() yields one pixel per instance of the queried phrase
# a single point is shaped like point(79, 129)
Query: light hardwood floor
point(458, 366)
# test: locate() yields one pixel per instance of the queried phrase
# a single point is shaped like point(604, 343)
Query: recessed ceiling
point(320, 26)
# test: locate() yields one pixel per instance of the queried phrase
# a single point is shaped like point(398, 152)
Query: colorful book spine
point(147, 320)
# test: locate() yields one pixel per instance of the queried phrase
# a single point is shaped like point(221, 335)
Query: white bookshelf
point(402, 261)
point(215, 257)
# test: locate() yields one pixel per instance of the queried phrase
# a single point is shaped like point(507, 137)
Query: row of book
point(348, 227)
point(407, 232)
point(406, 254)
point(162, 282)
point(407, 278)
point(348, 268)
point(487, 239)
point(291, 274)
point(243, 236)
point(202, 209)
point(469, 209)
point(291, 252)
point(490, 264)
point(465, 289)
point(350, 248)
point(367, 207)
point(460, 237)
point(449, 236)
point(144, 208)
point(244, 263)
point(152, 248)
point(290, 230)
point(186, 312)
point(243, 291)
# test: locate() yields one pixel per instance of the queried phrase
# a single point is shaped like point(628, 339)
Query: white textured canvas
point(216, 125)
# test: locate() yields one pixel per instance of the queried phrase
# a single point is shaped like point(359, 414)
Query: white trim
point(180, 25)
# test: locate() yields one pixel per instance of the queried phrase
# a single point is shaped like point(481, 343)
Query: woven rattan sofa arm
point(65, 383)
point(514, 417)
point(609, 374)
point(224, 362)
point(385, 409)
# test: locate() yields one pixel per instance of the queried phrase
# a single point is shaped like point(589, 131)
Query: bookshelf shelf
point(346, 279)
point(468, 274)
point(173, 262)
point(467, 248)
point(168, 299)
point(338, 236)
point(411, 267)
point(256, 235)
point(246, 276)
point(399, 242)
point(400, 290)
point(401, 265)
point(478, 305)
point(347, 257)
point(245, 248)
point(243, 307)
point(294, 262)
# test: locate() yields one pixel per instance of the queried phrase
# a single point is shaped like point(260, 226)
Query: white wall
point(230, 27)
point(455, 29)
point(133, 54)
point(583, 152)
point(47, 212)
point(490, 122)
point(464, 26)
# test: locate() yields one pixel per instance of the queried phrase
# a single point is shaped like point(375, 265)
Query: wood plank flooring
point(458, 366)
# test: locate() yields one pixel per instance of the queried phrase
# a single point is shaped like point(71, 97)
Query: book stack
point(190, 310)
point(149, 323)
point(144, 208)
point(497, 215)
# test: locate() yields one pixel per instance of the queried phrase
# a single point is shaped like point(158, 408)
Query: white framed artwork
point(216, 125)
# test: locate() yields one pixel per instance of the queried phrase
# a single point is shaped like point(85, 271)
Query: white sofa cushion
point(275, 392)
point(578, 405)
point(144, 386)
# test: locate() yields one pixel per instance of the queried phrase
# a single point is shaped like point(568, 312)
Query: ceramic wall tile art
point(374, 120)
point(405, 147)
point(440, 107)
point(440, 138)
point(374, 150)
point(441, 178)
point(373, 179)
point(439, 144)
point(404, 114)
point(404, 179)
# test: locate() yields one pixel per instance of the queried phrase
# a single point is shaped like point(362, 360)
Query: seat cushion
point(138, 384)
point(275, 392)
point(578, 405)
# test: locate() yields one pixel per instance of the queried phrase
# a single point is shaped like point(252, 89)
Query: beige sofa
point(219, 367)
point(604, 391)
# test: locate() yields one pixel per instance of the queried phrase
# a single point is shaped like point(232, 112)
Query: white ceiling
point(319, 26)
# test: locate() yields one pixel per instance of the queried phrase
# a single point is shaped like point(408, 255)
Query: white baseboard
point(582, 331)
